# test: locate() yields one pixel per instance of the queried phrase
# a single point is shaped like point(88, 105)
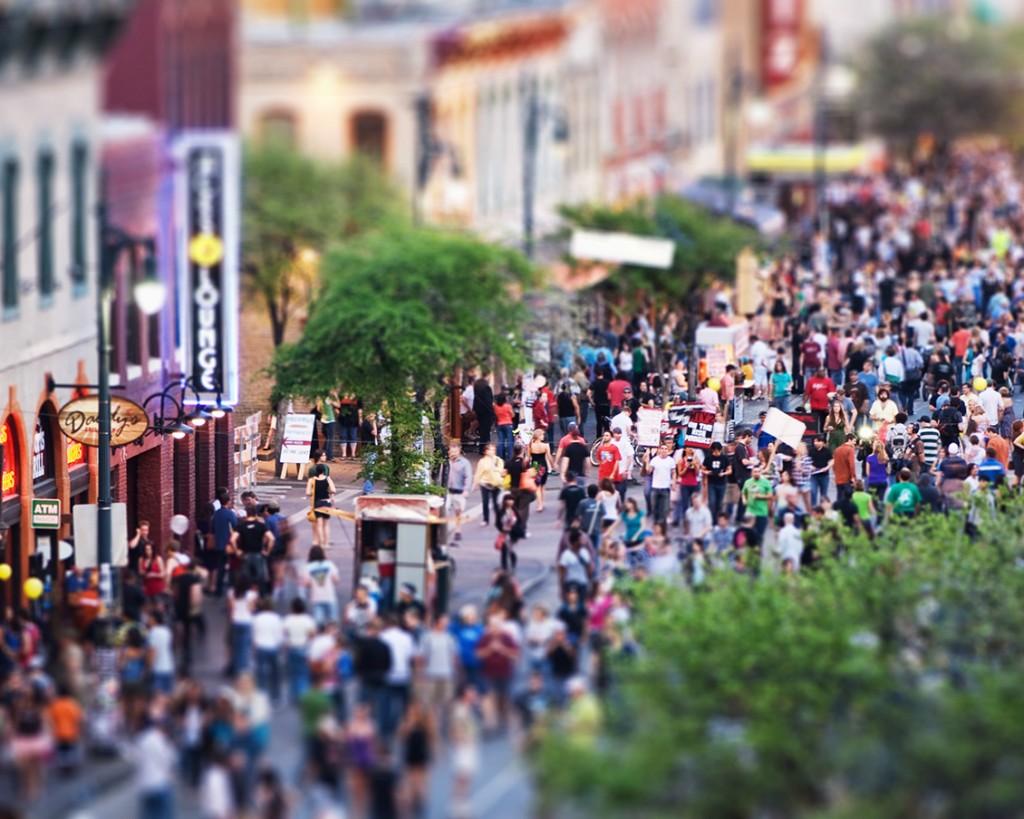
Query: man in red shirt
point(608, 457)
point(818, 392)
point(810, 354)
point(617, 390)
point(960, 340)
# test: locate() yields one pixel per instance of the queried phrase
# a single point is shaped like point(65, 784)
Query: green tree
point(395, 315)
point(946, 79)
point(294, 208)
point(884, 684)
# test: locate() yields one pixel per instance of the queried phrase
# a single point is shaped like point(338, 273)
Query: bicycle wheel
point(593, 453)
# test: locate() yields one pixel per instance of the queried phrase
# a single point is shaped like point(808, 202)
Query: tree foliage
point(293, 204)
point(397, 312)
point(946, 79)
point(706, 245)
point(885, 684)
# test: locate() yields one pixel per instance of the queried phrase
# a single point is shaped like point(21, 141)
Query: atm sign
point(45, 513)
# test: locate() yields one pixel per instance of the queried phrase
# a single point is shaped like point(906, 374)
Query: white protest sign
point(783, 427)
point(648, 427)
point(297, 438)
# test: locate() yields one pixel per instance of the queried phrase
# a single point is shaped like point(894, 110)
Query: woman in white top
point(241, 604)
point(610, 502)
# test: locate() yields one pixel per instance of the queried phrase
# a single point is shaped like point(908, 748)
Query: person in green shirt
point(865, 508)
point(757, 495)
point(328, 421)
point(903, 497)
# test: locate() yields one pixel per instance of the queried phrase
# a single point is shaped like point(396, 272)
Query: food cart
point(403, 539)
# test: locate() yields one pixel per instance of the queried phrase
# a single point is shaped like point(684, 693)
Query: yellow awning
point(802, 160)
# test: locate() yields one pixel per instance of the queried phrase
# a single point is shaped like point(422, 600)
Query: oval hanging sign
point(80, 420)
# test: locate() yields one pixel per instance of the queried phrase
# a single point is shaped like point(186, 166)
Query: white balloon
point(179, 524)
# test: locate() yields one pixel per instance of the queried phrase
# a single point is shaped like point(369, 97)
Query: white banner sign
point(298, 438)
point(86, 549)
point(648, 427)
point(622, 248)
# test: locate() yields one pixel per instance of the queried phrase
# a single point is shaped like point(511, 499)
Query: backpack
point(949, 422)
point(897, 440)
point(911, 372)
point(891, 378)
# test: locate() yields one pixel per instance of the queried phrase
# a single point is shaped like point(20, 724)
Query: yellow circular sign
point(206, 250)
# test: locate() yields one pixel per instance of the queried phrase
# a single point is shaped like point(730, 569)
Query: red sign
point(782, 25)
point(76, 454)
point(9, 467)
point(700, 429)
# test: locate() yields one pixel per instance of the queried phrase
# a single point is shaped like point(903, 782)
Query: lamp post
point(150, 294)
point(535, 112)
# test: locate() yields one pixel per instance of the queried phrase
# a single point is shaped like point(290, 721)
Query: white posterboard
point(783, 427)
point(83, 517)
point(648, 427)
point(297, 438)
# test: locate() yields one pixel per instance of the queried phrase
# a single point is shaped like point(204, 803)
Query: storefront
point(10, 503)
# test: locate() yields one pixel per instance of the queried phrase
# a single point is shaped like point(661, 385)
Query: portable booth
point(403, 539)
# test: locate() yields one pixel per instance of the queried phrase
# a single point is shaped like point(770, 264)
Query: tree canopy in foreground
point(885, 684)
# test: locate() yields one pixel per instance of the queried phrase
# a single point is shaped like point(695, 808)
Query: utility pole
point(530, 136)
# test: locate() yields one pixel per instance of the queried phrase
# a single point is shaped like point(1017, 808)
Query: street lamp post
point(535, 111)
point(150, 295)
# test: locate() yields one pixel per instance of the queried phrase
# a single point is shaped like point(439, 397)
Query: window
point(10, 237)
point(44, 246)
point(279, 126)
point(370, 134)
point(79, 216)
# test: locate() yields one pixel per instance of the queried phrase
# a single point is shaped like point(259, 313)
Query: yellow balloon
point(980, 384)
point(5, 571)
point(715, 384)
point(33, 588)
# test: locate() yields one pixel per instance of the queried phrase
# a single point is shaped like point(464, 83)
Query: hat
point(573, 427)
point(627, 389)
point(409, 588)
point(273, 507)
point(953, 449)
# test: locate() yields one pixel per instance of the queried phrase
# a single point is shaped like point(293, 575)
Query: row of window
point(368, 131)
point(14, 237)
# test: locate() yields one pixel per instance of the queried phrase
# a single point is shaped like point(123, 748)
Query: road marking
point(484, 799)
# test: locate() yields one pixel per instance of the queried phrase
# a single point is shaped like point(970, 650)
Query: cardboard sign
point(648, 427)
point(679, 412)
point(699, 429)
point(298, 438)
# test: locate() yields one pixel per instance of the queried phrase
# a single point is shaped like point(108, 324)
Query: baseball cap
point(409, 588)
point(573, 426)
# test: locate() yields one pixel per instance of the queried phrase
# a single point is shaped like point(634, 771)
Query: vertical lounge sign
point(207, 187)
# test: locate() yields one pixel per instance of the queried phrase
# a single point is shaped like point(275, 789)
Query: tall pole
point(104, 293)
point(732, 135)
point(821, 143)
point(529, 161)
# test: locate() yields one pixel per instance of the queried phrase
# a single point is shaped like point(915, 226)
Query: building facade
point(49, 161)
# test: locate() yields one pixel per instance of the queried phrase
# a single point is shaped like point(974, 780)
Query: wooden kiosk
point(403, 539)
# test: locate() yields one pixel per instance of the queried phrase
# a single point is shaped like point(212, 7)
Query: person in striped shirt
point(929, 435)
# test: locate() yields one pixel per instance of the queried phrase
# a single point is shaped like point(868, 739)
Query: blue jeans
point(819, 487)
point(505, 442)
point(716, 499)
point(328, 430)
point(268, 672)
point(157, 804)
point(298, 673)
point(396, 700)
point(686, 494)
point(241, 645)
point(489, 495)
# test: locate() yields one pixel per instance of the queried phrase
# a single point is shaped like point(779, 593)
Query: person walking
point(460, 480)
point(489, 478)
point(662, 469)
point(320, 488)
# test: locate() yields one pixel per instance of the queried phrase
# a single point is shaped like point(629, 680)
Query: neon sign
point(76, 454)
point(8, 469)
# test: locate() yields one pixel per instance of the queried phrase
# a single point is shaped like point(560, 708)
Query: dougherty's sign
point(208, 213)
point(80, 421)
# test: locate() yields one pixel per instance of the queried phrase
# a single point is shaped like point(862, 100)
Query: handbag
point(311, 515)
point(528, 482)
point(499, 542)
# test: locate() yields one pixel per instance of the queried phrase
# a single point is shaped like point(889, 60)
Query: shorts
point(458, 503)
point(347, 435)
point(760, 377)
point(32, 747)
point(465, 760)
point(436, 691)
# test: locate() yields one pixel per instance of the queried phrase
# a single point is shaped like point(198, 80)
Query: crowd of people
point(898, 345)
